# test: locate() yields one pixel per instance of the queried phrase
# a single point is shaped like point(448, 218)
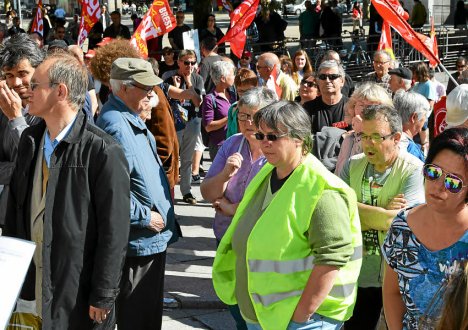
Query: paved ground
point(188, 270)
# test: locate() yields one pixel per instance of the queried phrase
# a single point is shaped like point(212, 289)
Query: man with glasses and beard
point(385, 180)
point(381, 66)
point(19, 56)
point(328, 108)
point(187, 117)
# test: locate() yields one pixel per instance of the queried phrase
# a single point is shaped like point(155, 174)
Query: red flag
point(393, 13)
point(157, 21)
point(275, 75)
point(38, 23)
point(90, 14)
point(241, 18)
point(435, 48)
point(385, 42)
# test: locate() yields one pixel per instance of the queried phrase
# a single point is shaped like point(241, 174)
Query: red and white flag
point(157, 21)
point(241, 18)
point(385, 42)
point(392, 12)
point(90, 14)
point(38, 23)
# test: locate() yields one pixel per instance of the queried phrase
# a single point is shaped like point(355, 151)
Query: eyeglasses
point(34, 85)
point(270, 137)
point(262, 66)
point(451, 182)
point(381, 63)
point(244, 117)
point(147, 89)
point(375, 138)
point(332, 76)
point(308, 83)
point(460, 66)
point(187, 63)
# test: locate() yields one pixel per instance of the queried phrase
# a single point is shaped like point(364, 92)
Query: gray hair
point(116, 85)
point(332, 64)
point(257, 98)
point(373, 92)
point(385, 113)
point(382, 52)
point(271, 60)
point(408, 103)
point(68, 71)
point(289, 115)
point(221, 69)
point(20, 47)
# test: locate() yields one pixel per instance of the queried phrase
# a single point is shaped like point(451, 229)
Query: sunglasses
point(332, 76)
point(308, 83)
point(190, 63)
point(270, 137)
point(245, 58)
point(451, 182)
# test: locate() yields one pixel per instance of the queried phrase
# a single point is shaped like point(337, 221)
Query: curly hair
point(101, 63)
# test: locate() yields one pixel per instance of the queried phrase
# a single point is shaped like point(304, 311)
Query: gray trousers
point(187, 141)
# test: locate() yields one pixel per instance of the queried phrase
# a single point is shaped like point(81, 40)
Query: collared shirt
point(49, 146)
point(384, 81)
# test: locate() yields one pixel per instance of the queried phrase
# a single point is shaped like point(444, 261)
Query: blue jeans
point(316, 322)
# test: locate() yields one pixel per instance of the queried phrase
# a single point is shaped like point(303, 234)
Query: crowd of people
point(328, 192)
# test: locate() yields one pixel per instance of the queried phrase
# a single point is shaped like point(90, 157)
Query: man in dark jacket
point(70, 194)
point(116, 29)
point(19, 57)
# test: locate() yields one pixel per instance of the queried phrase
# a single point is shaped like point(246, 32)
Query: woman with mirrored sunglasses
point(291, 257)
point(308, 89)
point(427, 243)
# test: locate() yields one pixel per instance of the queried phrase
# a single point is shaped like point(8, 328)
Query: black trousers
point(367, 310)
point(140, 302)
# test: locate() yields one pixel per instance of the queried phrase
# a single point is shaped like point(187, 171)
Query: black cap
point(402, 73)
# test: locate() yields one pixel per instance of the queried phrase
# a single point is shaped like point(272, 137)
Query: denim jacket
point(149, 187)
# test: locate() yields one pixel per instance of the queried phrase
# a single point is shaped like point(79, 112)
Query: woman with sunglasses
point(308, 89)
point(425, 244)
point(291, 257)
point(237, 162)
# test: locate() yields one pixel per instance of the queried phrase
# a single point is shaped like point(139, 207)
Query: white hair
point(221, 69)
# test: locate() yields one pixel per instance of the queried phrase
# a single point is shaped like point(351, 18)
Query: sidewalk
point(188, 269)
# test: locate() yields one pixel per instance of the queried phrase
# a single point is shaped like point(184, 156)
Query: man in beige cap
point(139, 305)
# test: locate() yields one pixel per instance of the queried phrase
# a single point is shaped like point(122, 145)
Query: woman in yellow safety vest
point(292, 255)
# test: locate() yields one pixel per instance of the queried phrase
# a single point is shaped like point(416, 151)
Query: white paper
point(190, 39)
point(15, 257)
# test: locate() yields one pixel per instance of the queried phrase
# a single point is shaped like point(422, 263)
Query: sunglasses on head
point(451, 182)
point(190, 62)
point(332, 76)
point(270, 137)
point(308, 83)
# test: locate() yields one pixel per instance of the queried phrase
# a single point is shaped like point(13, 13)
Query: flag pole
point(448, 74)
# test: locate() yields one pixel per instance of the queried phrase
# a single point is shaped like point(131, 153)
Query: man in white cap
point(457, 107)
point(139, 305)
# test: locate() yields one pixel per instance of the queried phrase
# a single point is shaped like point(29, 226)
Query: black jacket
point(86, 221)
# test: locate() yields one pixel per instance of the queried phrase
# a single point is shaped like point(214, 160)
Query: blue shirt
point(426, 89)
point(421, 272)
point(49, 146)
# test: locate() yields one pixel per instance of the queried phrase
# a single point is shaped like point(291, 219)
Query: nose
point(17, 81)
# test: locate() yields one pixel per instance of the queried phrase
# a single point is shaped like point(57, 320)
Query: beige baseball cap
point(135, 69)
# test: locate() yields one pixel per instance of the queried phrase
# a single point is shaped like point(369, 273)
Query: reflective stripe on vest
point(339, 291)
point(291, 266)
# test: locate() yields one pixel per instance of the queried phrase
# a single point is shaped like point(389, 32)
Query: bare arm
point(318, 286)
point(185, 94)
point(393, 304)
point(375, 217)
point(94, 101)
point(213, 188)
point(216, 124)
